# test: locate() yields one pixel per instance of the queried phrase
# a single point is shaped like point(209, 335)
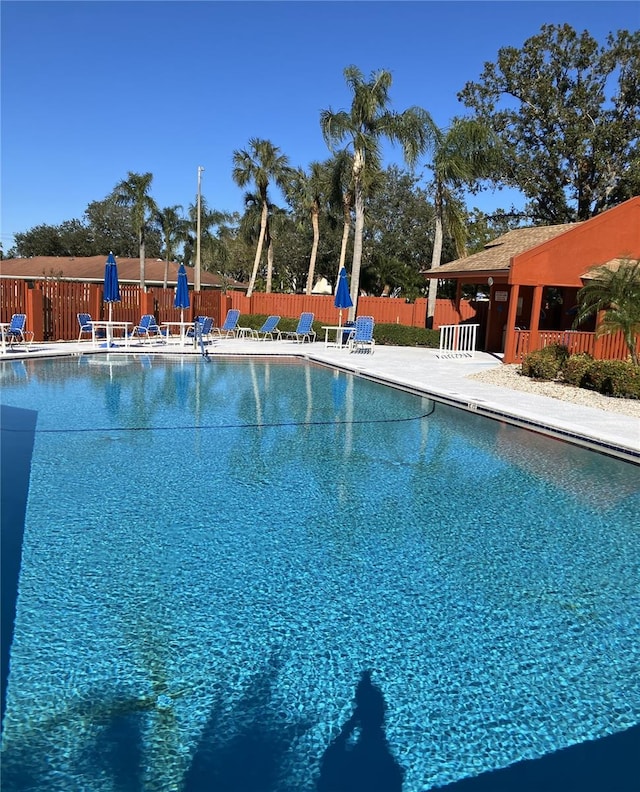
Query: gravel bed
point(509, 376)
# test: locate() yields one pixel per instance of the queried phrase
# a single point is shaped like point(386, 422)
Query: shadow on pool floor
point(610, 764)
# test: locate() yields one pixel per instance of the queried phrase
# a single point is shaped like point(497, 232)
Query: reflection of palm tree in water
point(359, 758)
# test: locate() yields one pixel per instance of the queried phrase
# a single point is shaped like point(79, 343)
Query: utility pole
point(196, 284)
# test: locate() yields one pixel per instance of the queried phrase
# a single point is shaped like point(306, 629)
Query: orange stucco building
point(533, 276)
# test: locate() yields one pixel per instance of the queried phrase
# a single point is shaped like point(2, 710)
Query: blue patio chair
point(17, 331)
point(148, 328)
point(205, 326)
point(84, 320)
point(361, 339)
point(269, 329)
point(229, 328)
point(304, 331)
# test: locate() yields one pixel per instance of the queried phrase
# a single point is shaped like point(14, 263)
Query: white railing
point(458, 340)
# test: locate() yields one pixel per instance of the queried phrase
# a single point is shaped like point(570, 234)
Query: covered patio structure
point(533, 275)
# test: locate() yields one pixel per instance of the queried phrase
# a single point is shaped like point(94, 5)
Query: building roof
point(497, 254)
point(90, 269)
point(613, 265)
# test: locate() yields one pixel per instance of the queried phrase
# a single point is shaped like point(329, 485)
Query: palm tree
point(617, 293)
point(341, 197)
point(213, 250)
point(363, 127)
point(134, 192)
point(463, 154)
point(308, 192)
point(261, 164)
point(251, 228)
point(173, 228)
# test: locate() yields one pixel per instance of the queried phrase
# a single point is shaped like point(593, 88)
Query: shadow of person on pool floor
point(359, 758)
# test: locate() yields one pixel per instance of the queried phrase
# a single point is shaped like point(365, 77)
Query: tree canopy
point(557, 118)
point(568, 112)
point(103, 227)
point(363, 127)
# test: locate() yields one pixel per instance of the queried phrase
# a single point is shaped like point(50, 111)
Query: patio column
point(535, 317)
point(458, 298)
point(510, 338)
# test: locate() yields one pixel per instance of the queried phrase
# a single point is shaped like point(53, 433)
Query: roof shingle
point(498, 253)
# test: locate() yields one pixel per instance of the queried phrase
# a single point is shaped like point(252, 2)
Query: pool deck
point(420, 370)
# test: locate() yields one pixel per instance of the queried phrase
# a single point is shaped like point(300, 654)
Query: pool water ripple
point(199, 606)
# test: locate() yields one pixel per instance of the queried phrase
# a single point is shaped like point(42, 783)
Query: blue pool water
point(273, 576)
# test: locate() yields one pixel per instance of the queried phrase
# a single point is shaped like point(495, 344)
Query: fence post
point(95, 300)
point(147, 302)
point(420, 312)
point(35, 313)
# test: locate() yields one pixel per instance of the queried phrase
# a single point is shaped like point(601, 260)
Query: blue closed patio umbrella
point(342, 298)
point(181, 300)
point(111, 286)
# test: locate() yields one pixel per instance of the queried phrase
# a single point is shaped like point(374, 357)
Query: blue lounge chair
point(84, 320)
point(361, 339)
point(17, 331)
point(304, 331)
point(148, 328)
point(205, 326)
point(229, 328)
point(269, 329)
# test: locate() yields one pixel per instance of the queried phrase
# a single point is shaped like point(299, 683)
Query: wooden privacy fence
point(607, 347)
point(52, 307)
point(385, 310)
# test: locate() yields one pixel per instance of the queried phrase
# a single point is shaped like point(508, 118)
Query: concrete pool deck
point(420, 370)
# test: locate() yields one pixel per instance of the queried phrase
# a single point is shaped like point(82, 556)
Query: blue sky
point(92, 90)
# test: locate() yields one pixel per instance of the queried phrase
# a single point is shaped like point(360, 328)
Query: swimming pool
point(221, 560)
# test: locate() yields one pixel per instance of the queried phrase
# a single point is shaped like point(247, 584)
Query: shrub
point(615, 378)
point(575, 370)
point(545, 364)
point(401, 335)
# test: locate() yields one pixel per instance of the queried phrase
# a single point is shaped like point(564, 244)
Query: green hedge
point(610, 377)
point(545, 364)
point(401, 335)
point(614, 378)
point(391, 334)
point(576, 370)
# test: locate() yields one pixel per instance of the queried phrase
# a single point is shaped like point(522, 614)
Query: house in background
point(90, 269)
point(533, 275)
point(52, 290)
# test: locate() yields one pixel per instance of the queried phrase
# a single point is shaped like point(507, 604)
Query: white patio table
point(339, 330)
point(4, 326)
point(109, 325)
point(183, 329)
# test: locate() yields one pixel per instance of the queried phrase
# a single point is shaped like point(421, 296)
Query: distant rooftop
point(90, 269)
